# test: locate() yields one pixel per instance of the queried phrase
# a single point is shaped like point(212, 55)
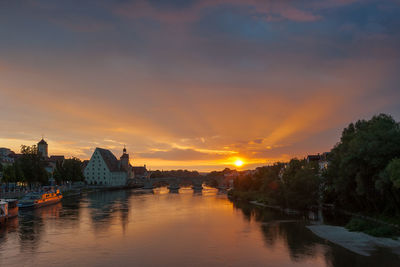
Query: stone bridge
point(176, 182)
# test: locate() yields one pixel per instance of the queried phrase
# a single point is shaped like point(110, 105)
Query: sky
point(195, 84)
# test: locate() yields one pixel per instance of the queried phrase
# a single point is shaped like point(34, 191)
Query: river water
point(123, 228)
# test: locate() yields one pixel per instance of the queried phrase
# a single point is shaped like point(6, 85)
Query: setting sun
point(238, 163)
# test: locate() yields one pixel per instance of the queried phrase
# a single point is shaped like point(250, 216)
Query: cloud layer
point(195, 84)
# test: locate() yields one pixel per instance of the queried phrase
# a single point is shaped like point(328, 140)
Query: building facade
point(141, 172)
point(105, 169)
point(6, 156)
point(321, 159)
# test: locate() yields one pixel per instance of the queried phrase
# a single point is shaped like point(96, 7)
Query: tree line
point(363, 173)
point(30, 168)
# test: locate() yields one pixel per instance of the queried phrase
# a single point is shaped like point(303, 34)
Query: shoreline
point(345, 212)
point(357, 242)
point(287, 210)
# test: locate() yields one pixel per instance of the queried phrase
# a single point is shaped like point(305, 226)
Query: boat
point(3, 212)
point(12, 207)
point(40, 199)
point(8, 209)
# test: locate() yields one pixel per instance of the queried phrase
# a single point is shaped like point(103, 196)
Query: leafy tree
point(243, 182)
point(389, 186)
point(301, 184)
point(295, 184)
point(31, 166)
point(9, 175)
point(393, 172)
point(354, 177)
point(271, 183)
point(69, 170)
point(13, 173)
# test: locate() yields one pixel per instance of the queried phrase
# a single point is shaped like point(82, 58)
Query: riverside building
point(106, 170)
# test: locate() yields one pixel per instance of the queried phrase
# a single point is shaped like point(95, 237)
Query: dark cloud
point(258, 141)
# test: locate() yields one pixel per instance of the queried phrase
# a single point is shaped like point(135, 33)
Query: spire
point(42, 142)
point(124, 150)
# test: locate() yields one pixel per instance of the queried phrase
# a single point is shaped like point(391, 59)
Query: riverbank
point(356, 239)
point(287, 211)
point(257, 198)
point(356, 242)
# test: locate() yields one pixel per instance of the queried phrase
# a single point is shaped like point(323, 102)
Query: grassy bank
point(372, 228)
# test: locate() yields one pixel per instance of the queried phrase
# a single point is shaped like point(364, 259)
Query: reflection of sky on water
point(121, 228)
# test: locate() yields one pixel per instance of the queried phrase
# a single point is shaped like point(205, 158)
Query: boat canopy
point(32, 196)
point(12, 203)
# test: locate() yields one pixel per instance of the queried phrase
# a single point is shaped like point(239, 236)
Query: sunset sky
point(195, 84)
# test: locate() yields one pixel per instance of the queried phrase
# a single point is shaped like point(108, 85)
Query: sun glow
point(239, 163)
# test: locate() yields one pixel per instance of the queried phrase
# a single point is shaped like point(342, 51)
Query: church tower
point(124, 160)
point(43, 149)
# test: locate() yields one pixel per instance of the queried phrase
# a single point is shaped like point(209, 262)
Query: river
point(123, 228)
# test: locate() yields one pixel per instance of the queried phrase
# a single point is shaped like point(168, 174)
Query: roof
point(110, 160)
point(42, 142)
point(56, 158)
point(125, 156)
point(313, 157)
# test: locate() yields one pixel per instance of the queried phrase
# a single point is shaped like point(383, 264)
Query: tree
point(9, 175)
point(392, 171)
point(69, 170)
point(271, 183)
point(303, 190)
point(301, 184)
point(357, 161)
point(389, 185)
point(13, 173)
point(32, 167)
point(294, 185)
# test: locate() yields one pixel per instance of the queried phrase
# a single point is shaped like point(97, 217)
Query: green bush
point(383, 231)
point(357, 225)
point(372, 228)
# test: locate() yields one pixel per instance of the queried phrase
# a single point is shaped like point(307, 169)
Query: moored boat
point(8, 209)
point(12, 207)
point(39, 199)
point(3, 212)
